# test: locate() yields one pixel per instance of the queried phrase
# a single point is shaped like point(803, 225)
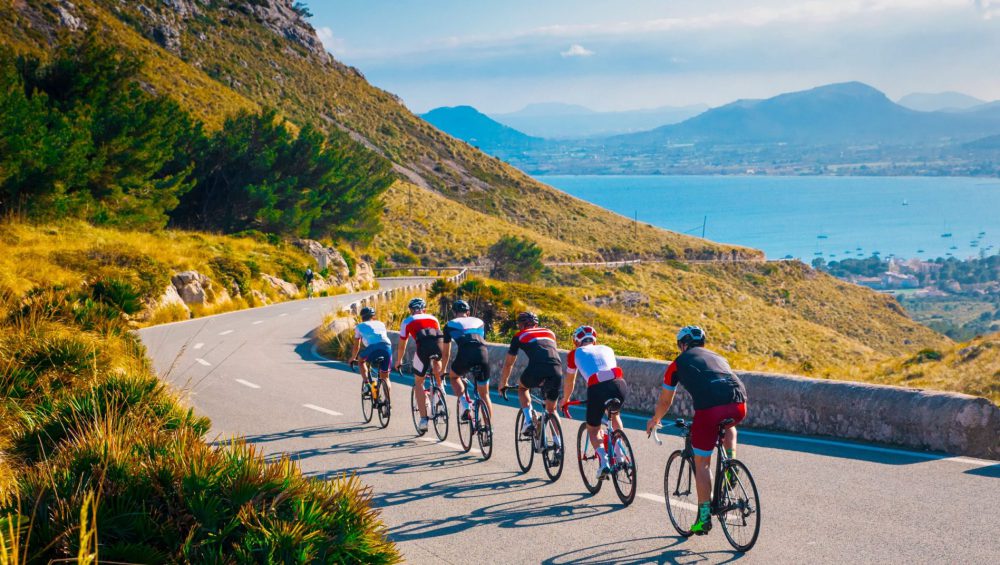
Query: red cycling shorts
point(705, 427)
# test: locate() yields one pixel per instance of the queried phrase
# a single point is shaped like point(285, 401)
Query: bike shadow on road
point(309, 433)
point(407, 463)
point(659, 549)
point(466, 487)
point(532, 511)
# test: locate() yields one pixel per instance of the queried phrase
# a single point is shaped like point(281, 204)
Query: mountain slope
point(478, 129)
point(562, 121)
point(939, 101)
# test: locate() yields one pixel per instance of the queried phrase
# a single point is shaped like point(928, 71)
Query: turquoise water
point(803, 217)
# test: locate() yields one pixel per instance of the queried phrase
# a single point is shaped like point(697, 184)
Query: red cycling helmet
point(584, 333)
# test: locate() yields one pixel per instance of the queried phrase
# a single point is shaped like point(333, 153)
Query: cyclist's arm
point(446, 353)
point(508, 365)
point(400, 351)
point(356, 349)
point(666, 398)
point(569, 381)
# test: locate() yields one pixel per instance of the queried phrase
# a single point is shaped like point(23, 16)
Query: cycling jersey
point(707, 376)
point(596, 363)
point(372, 332)
point(465, 331)
point(538, 344)
point(420, 326)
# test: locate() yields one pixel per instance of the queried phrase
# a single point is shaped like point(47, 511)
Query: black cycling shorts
point(427, 348)
point(599, 395)
point(471, 357)
point(546, 376)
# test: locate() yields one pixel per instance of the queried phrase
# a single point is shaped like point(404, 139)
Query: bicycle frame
point(721, 461)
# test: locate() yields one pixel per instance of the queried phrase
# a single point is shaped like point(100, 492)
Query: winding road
point(255, 373)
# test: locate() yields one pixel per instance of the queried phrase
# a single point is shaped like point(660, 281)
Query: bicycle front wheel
point(465, 428)
point(587, 460)
point(440, 411)
point(739, 506)
point(680, 492)
point(524, 445)
point(623, 469)
point(367, 402)
point(552, 450)
point(384, 403)
point(484, 430)
point(416, 411)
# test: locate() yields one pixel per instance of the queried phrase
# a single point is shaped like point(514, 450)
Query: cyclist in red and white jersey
point(599, 368)
point(426, 331)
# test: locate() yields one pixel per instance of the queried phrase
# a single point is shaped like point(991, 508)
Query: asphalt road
point(255, 373)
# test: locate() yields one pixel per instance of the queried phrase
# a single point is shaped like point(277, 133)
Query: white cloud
point(333, 44)
point(577, 50)
point(989, 8)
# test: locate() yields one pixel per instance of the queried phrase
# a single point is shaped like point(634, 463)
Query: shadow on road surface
point(629, 552)
point(521, 513)
point(992, 471)
point(490, 484)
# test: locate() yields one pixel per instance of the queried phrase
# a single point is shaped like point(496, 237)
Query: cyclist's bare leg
point(418, 390)
point(438, 369)
point(595, 436)
point(363, 367)
point(456, 383)
point(550, 407)
point(616, 422)
point(729, 440)
point(384, 375)
point(484, 394)
point(524, 395)
point(703, 477)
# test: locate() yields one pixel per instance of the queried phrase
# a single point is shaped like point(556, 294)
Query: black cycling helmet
point(691, 336)
point(527, 318)
point(367, 313)
point(460, 306)
point(418, 304)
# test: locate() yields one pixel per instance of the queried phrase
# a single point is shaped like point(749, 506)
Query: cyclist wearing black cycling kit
point(469, 334)
point(425, 329)
point(718, 394)
point(543, 370)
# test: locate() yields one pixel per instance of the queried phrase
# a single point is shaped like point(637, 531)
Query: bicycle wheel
point(523, 445)
point(484, 430)
point(466, 428)
point(440, 411)
point(740, 507)
point(385, 403)
point(367, 403)
point(680, 492)
point(552, 451)
point(587, 460)
point(624, 472)
point(416, 412)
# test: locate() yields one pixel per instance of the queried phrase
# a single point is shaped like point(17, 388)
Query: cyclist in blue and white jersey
point(468, 333)
point(373, 335)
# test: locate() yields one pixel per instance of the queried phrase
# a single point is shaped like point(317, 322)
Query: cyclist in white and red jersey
point(543, 370)
point(599, 367)
point(426, 331)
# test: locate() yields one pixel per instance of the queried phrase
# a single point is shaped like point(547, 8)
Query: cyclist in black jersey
point(544, 366)
point(468, 333)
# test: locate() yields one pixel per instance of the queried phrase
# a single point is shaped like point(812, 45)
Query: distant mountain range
point(555, 120)
point(478, 129)
point(940, 101)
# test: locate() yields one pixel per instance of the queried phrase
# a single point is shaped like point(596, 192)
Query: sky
point(607, 55)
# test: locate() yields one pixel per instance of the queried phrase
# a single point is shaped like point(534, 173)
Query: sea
point(810, 217)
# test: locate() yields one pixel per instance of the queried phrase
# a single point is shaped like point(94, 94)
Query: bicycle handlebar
point(565, 407)
point(504, 389)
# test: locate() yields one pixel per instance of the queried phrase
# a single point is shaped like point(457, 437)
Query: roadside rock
point(191, 286)
point(329, 259)
point(289, 290)
point(259, 298)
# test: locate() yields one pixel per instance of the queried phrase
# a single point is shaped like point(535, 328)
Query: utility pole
point(635, 231)
point(704, 222)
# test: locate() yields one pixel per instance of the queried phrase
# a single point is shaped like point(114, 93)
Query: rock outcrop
point(191, 286)
point(285, 288)
point(339, 274)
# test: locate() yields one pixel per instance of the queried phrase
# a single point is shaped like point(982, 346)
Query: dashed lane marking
point(203, 362)
point(258, 322)
point(321, 409)
point(227, 332)
point(199, 345)
point(661, 500)
point(247, 383)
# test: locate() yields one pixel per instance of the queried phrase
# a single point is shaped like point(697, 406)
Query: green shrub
point(232, 272)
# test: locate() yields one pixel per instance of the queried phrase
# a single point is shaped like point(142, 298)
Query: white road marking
point(661, 500)
point(227, 332)
point(445, 443)
point(258, 322)
point(199, 345)
point(321, 409)
point(203, 362)
point(282, 315)
point(247, 383)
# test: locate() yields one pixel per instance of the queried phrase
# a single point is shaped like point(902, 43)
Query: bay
point(809, 217)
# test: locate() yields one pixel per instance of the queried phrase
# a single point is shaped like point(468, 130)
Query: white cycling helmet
point(583, 334)
point(691, 335)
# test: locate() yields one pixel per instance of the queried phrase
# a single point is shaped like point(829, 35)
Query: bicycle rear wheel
point(740, 506)
point(623, 470)
point(466, 428)
point(440, 411)
point(416, 411)
point(385, 403)
point(484, 430)
point(552, 451)
point(680, 492)
point(367, 402)
point(524, 445)
point(587, 460)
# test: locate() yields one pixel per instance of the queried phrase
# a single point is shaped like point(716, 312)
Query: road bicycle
point(621, 458)
point(437, 409)
point(479, 423)
point(546, 440)
point(735, 501)
point(374, 393)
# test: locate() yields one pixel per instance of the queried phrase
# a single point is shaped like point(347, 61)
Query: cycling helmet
point(418, 304)
point(525, 318)
point(584, 334)
point(367, 313)
point(460, 306)
point(689, 335)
